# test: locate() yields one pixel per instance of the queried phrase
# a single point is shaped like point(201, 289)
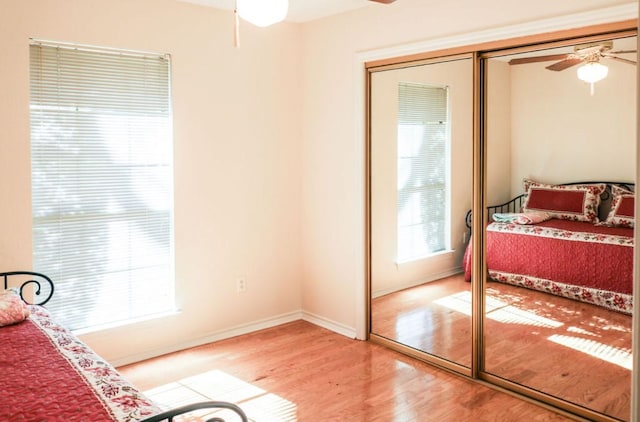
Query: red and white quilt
point(574, 259)
point(47, 374)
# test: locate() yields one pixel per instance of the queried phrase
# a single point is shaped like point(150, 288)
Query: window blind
point(423, 170)
point(102, 174)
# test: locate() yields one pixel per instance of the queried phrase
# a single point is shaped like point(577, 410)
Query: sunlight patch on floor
point(582, 331)
point(512, 315)
point(460, 302)
point(611, 354)
point(216, 385)
point(497, 310)
point(501, 311)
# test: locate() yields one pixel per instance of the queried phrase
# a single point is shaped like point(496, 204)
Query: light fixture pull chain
point(236, 35)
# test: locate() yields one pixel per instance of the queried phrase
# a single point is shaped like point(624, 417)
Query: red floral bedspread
point(568, 258)
point(47, 374)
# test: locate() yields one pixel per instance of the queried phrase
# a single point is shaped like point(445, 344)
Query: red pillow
point(567, 202)
point(622, 211)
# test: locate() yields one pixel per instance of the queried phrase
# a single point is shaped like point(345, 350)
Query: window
point(423, 170)
point(102, 182)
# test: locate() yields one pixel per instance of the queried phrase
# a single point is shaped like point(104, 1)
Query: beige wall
point(278, 200)
point(387, 274)
point(498, 132)
point(237, 157)
point(333, 128)
point(561, 133)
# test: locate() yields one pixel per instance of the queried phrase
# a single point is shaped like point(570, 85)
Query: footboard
point(207, 405)
point(35, 288)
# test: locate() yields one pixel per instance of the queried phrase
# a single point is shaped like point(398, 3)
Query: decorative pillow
point(12, 308)
point(622, 208)
point(566, 202)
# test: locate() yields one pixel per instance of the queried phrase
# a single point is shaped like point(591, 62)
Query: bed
point(573, 240)
point(48, 374)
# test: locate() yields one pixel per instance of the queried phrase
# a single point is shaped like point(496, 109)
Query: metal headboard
point(41, 284)
point(515, 204)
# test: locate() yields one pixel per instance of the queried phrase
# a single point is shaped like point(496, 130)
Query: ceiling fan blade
point(620, 59)
point(564, 64)
point(621, 52)
point(383, 1)
point(535, 59)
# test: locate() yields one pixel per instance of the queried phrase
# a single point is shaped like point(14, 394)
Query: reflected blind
point(102, 174)
point(423, 169)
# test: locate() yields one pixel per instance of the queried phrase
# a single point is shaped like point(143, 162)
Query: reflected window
point(102, 182)
point(423, 170)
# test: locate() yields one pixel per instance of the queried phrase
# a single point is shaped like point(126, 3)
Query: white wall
point(237, 158)
point(498, 132)
point(561, 133)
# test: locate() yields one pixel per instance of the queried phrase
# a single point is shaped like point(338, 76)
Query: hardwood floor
point(301, 372)
point(562, 347)
point(434, 317)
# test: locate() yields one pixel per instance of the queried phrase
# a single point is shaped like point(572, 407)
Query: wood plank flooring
point(434, 317)
point(301, 372)
point(577, 351)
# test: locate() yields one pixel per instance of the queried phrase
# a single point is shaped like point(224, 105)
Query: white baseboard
point(403, 286)
point(323, 322)
point(240, 330)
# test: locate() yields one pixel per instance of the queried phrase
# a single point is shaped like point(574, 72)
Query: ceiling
point(301, 10)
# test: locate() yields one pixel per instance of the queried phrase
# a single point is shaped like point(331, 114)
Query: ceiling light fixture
point(263, 12)
point(592, 72)
point(260, 13)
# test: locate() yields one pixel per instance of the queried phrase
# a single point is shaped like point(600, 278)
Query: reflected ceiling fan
point(592, 70)
point(383, 1)
point(588, 53)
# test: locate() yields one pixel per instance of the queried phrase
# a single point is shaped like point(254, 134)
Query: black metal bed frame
point(515, 204)
point(33, 278)
point(170, 414)
point(41, 283)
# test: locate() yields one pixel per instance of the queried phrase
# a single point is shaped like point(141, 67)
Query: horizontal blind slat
point(102, 182)
point(422, 169)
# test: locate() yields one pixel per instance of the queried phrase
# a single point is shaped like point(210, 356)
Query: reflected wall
point(515, 122)
point(418, 296)
point(542, 124)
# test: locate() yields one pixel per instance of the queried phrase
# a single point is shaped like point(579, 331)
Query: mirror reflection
point(560, 137)
point(421, 187)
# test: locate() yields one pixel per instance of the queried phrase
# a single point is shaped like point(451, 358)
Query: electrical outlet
point(241, 284)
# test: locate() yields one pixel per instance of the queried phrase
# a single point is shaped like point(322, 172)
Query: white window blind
point(102, 182)
point(423, 170)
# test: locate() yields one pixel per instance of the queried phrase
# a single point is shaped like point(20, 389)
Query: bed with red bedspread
point(48, 374)
point(571, 252)
point(45, 368)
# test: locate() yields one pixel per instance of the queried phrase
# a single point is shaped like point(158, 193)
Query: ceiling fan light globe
point(592, 72)
point(263, 12)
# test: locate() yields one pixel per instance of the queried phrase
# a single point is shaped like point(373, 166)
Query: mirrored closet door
point(420, 152)
point(538, 139)
point(561, 128)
